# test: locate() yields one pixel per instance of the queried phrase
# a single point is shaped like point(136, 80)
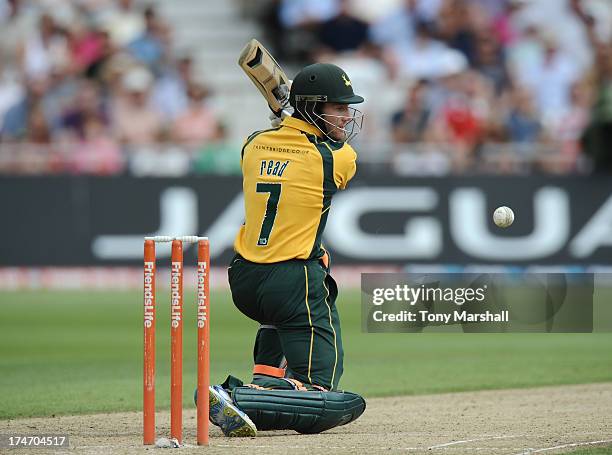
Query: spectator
point(61, 91)
point(87, 46)
point(460, 119)
point(550, 79)
point(11, 91)
point(344, 32)
point(96, 152)
point(220, 157)
point(504, 26)
point(87, 107)
point(296, 13)
point(425, 58)
point(522, 122)
point(170, 90)
point(105, 61)
point(43, 50)
point(198, 124)
point(571, 125)
point(19, 22)
point(273, 32)
point(16, 119)
point(34, 154)
point(97, 12)
point(148, 48)
point(454, 28)
point(410, 124)
point(299, 20)
point(598, 135)
point(489, 61)
point(5, 10)
point(395, 31)
point(124, 23)
point(481, 72)
point(37, 130)
point(524, 53)
point(460, 122)
point(135, 122)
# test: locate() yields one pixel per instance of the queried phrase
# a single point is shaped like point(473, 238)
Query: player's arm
point(345, 165)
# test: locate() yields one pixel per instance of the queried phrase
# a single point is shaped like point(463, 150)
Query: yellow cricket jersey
point(289, 177)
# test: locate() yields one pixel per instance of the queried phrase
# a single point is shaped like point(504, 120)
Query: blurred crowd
point(95, 86)
point(452, 86)
point(476, 85)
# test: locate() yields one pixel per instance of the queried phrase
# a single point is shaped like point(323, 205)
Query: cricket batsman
point(280, 275)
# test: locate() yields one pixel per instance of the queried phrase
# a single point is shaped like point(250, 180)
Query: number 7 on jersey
point(274, 189)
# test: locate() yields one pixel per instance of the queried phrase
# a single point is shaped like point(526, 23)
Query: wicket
point(176, 335)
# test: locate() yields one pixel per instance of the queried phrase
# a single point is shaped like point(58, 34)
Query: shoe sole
point(232, 423)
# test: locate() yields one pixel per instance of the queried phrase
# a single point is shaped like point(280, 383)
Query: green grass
point(79, 352)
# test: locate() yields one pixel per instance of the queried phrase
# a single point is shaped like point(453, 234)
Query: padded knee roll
point(302, 411)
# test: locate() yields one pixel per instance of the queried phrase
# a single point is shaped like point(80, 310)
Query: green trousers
point(294, 301)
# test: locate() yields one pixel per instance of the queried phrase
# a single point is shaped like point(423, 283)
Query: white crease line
point(471, 440)
point(248, 446)
point(407, 449)
point(575, 444)
point(479, 448)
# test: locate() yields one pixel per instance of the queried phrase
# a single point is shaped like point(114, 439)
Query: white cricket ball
point(503, 216)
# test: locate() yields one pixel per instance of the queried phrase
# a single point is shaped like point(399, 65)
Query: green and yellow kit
point(289, 177)
point(279, 276)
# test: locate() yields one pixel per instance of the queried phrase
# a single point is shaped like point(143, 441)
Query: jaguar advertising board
point(77, 221)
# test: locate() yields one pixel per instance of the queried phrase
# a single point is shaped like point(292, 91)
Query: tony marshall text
point(445, 318)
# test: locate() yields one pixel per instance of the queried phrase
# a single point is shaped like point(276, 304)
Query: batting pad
point(302, 411)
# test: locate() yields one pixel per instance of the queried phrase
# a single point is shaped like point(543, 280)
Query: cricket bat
point(267, 75)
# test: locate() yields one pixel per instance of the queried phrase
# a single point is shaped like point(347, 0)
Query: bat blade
point(266, 74)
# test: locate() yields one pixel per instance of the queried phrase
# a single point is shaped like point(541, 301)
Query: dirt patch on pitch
point(540, 420)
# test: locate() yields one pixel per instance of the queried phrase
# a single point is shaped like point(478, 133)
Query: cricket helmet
point(325, 83)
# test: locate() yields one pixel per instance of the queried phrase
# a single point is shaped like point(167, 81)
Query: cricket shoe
point(226, 415)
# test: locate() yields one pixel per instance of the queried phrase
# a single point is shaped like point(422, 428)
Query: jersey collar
point(301, 125)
